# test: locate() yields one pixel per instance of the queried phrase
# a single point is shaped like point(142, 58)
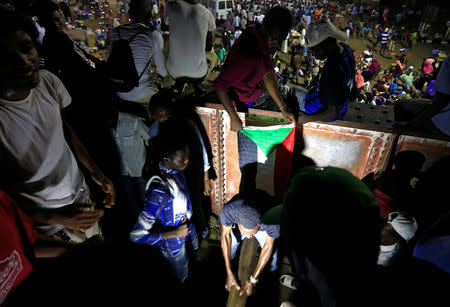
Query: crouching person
point(165, 220)
point(241, 219)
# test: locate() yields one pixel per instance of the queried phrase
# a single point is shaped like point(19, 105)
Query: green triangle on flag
point(267, 140)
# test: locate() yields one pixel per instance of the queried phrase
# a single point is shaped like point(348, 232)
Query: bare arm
point(225, 244)
point(264, 257)
point(84, 158)
point(46, 247)
point(224, 98)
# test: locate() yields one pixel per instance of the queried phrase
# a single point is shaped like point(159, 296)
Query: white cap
point(318, 32)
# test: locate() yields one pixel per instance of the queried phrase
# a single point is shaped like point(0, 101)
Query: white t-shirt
point(260, 18)
point(144, 46)
point(237, 34)
point(36, 162)
point(188, 27)
point(250, 16)
point(237, 21)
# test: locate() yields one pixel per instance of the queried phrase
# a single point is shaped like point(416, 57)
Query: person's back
point(189, 24)
point(144, 46)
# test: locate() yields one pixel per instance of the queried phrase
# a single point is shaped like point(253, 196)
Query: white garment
point(387, 254)
point(41, 32)
point(188, 27)
point(243, 23)
point(250, 16)
point(260, 18)
point(244, 14)
point(35, 159)
point(236, 21)
point(144, 46)
point(237, 34)
point(284, 45)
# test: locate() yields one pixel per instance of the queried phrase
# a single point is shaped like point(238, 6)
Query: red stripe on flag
point(283, 165)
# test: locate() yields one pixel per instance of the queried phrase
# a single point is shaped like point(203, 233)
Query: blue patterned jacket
point(167, 205)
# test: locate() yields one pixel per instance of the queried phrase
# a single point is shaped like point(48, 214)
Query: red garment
point(386, 202)
point(246, 64)
point(14, 266)
point(359, 79)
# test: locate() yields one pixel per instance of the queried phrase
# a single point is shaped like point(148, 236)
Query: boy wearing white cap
point(328, 100)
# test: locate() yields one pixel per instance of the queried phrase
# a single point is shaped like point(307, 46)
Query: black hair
point(279, 18)
point(162, 99)
point(171, 139)
point(12, 21)
point(43, 10)
point(248, 216)
point(139, 10)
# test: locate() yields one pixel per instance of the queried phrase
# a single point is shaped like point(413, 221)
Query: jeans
point(131, 135)
point(260, 236)
point(178, 262)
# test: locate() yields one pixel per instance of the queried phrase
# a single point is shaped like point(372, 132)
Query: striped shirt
point(384, 37)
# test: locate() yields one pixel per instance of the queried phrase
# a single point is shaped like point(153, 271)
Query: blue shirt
point(160, 215)
point(337, 78)
point(228, 218)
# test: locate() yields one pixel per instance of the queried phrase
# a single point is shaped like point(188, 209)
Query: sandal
point(287, 281)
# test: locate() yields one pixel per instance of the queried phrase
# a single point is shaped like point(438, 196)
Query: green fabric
point(267, 140)
point(221, 54)
point(408, 79)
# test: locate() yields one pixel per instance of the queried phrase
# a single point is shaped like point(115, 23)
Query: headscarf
point(374, 66)
point(359, 79)
point(428, 68)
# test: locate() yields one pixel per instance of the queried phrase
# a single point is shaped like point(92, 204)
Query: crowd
point(92, 178)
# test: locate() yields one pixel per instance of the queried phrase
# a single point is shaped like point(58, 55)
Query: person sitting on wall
point(328, 100)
